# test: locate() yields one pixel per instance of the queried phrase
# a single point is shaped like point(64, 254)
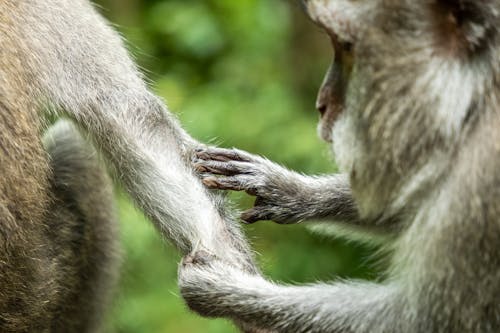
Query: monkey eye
point(344, 54)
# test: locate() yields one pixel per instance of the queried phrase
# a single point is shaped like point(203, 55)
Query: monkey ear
point(466, 25)
point(341, 19)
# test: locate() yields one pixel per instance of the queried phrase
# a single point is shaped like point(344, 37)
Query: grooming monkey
point(57, 226)
point(412, 107)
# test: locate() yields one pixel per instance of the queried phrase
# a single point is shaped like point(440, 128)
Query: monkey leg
point(82, 229)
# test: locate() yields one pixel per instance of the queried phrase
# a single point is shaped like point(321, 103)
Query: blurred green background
point(240, 73)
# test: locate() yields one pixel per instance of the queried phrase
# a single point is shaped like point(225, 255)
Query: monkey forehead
point(341, 19)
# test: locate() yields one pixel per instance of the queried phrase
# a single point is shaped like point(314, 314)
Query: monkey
point(411, 108)
point(59, 257)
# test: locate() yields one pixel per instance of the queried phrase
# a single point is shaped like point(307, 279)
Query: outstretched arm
point(284, 196)
point(214, 289)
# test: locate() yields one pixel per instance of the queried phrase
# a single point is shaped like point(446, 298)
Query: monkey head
point(455, 29)
point(408, 82)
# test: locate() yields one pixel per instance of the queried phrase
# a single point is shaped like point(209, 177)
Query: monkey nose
point(321, 107)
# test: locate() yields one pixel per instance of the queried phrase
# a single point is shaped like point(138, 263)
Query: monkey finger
point(255, 214)
point(224, 168)
point(223, 183)
point(222, 154)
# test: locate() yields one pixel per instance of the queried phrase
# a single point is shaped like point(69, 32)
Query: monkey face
point(404, 55)
point(409, 81)
point(331, 96)
point(341, 29)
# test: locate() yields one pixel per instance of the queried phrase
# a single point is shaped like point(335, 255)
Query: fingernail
point(202, 155)
point(210, 182)
point(200, 168)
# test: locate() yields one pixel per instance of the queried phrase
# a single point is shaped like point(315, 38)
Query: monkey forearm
point(304, 198)
point(327, 204)
point(313, 309)
point(149, 150)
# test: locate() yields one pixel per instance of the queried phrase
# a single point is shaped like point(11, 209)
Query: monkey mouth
point(327, 122)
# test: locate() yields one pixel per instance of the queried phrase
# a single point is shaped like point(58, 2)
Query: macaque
point(58, 253)
point(411, 105)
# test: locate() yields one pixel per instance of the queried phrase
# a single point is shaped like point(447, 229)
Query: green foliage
point(235, 75)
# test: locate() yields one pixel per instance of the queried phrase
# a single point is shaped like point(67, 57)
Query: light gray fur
point(419, 143)
point(78, 65)
point(61, 54)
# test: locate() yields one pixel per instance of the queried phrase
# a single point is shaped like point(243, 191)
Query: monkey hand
point(200, 274)
point(277, 189)
point(204, 280)
point(210, 287)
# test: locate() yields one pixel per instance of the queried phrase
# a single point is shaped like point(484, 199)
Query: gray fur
point(61, 54)
point(282, 195)
point(82, 232)
point(418, 141)
point(96, 84)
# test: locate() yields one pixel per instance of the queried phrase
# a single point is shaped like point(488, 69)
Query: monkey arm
point(148, 150)
point(75, 62)
point(214, 289)
point(283, 196)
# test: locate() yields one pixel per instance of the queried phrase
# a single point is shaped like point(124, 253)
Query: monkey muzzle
point(332, 94)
